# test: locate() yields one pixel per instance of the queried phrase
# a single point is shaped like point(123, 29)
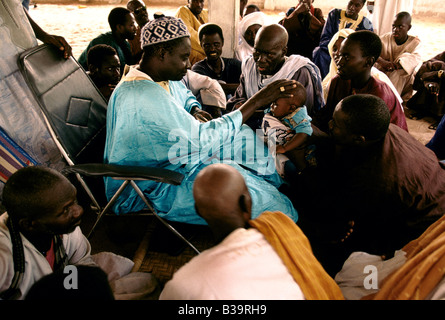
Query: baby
point(288, 125)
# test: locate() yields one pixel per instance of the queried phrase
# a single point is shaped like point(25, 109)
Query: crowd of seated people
point(297, 145)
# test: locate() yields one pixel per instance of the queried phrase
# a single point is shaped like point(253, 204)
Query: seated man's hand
point(384, 65)
point(280, 149)
point(273, 91)
point(201, 115)
point(303, 7)
point(429, 76)
point(59, 42)
point(389, 67)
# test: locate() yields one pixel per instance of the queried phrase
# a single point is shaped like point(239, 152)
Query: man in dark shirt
point(123, 28)
point(104, 68)
point(226, 70)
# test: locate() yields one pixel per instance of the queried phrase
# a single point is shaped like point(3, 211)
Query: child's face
point(61, 213)
point(284, 106)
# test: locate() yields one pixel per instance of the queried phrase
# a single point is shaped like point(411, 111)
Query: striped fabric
point(12, 157)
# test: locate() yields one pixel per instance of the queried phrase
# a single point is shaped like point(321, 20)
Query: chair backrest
point(73, 106)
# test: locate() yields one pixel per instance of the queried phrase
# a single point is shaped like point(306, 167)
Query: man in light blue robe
point(149, 123)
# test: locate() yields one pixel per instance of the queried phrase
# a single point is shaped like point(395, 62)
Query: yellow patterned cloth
point(423, 270)
point(193, 23)
point(294, 249)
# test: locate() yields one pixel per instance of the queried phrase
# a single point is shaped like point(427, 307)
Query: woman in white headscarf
point(247, 30)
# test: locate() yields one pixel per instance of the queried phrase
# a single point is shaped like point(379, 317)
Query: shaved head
point(273, 33)
point(222, 199)
point(404, 16)
point(270, 48)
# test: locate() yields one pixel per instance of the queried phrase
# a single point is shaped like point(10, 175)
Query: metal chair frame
point(38, 66)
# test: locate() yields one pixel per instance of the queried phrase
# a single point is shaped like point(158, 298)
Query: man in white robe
point(383, 11)
point(269, 63)
point(267, 258)
point(400, 57)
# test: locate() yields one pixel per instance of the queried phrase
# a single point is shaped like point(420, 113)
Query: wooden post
point(225, 13)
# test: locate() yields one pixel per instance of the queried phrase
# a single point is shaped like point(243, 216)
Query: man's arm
point(54, 40)
point(410, 60)
point(78, 248)
point(239, 97)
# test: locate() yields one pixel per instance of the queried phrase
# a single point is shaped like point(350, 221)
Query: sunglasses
point(140, 10)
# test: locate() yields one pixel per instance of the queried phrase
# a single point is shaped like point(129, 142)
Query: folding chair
point(75, 113)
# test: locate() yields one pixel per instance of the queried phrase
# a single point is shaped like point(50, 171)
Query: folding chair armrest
point(122, 172)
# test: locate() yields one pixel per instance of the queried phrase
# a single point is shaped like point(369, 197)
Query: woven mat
point(162, 253)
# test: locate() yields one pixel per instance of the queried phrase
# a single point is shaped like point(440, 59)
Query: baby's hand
point(280, 149)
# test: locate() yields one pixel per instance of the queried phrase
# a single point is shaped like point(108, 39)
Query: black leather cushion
point(74, 107)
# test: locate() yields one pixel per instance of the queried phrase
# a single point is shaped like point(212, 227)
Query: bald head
point(400, 27)
point(270, 48)
point(222, 199)
point(404, 16)
point(273, 33)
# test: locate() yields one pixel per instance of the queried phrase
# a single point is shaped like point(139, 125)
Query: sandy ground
point(81, 23)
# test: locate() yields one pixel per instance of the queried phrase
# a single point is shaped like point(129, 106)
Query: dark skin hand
point(431, 78)
point(388, 65)
point(304, 7)
point(201, 115)
point(50, 39)
point(267, 95)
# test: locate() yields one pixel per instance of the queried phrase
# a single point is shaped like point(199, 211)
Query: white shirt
point(244, 266)
point(76, 245)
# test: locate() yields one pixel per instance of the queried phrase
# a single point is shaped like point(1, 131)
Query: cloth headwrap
point(244, 50)
point(294, 249)
point(163, 29)
point(251, 19)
